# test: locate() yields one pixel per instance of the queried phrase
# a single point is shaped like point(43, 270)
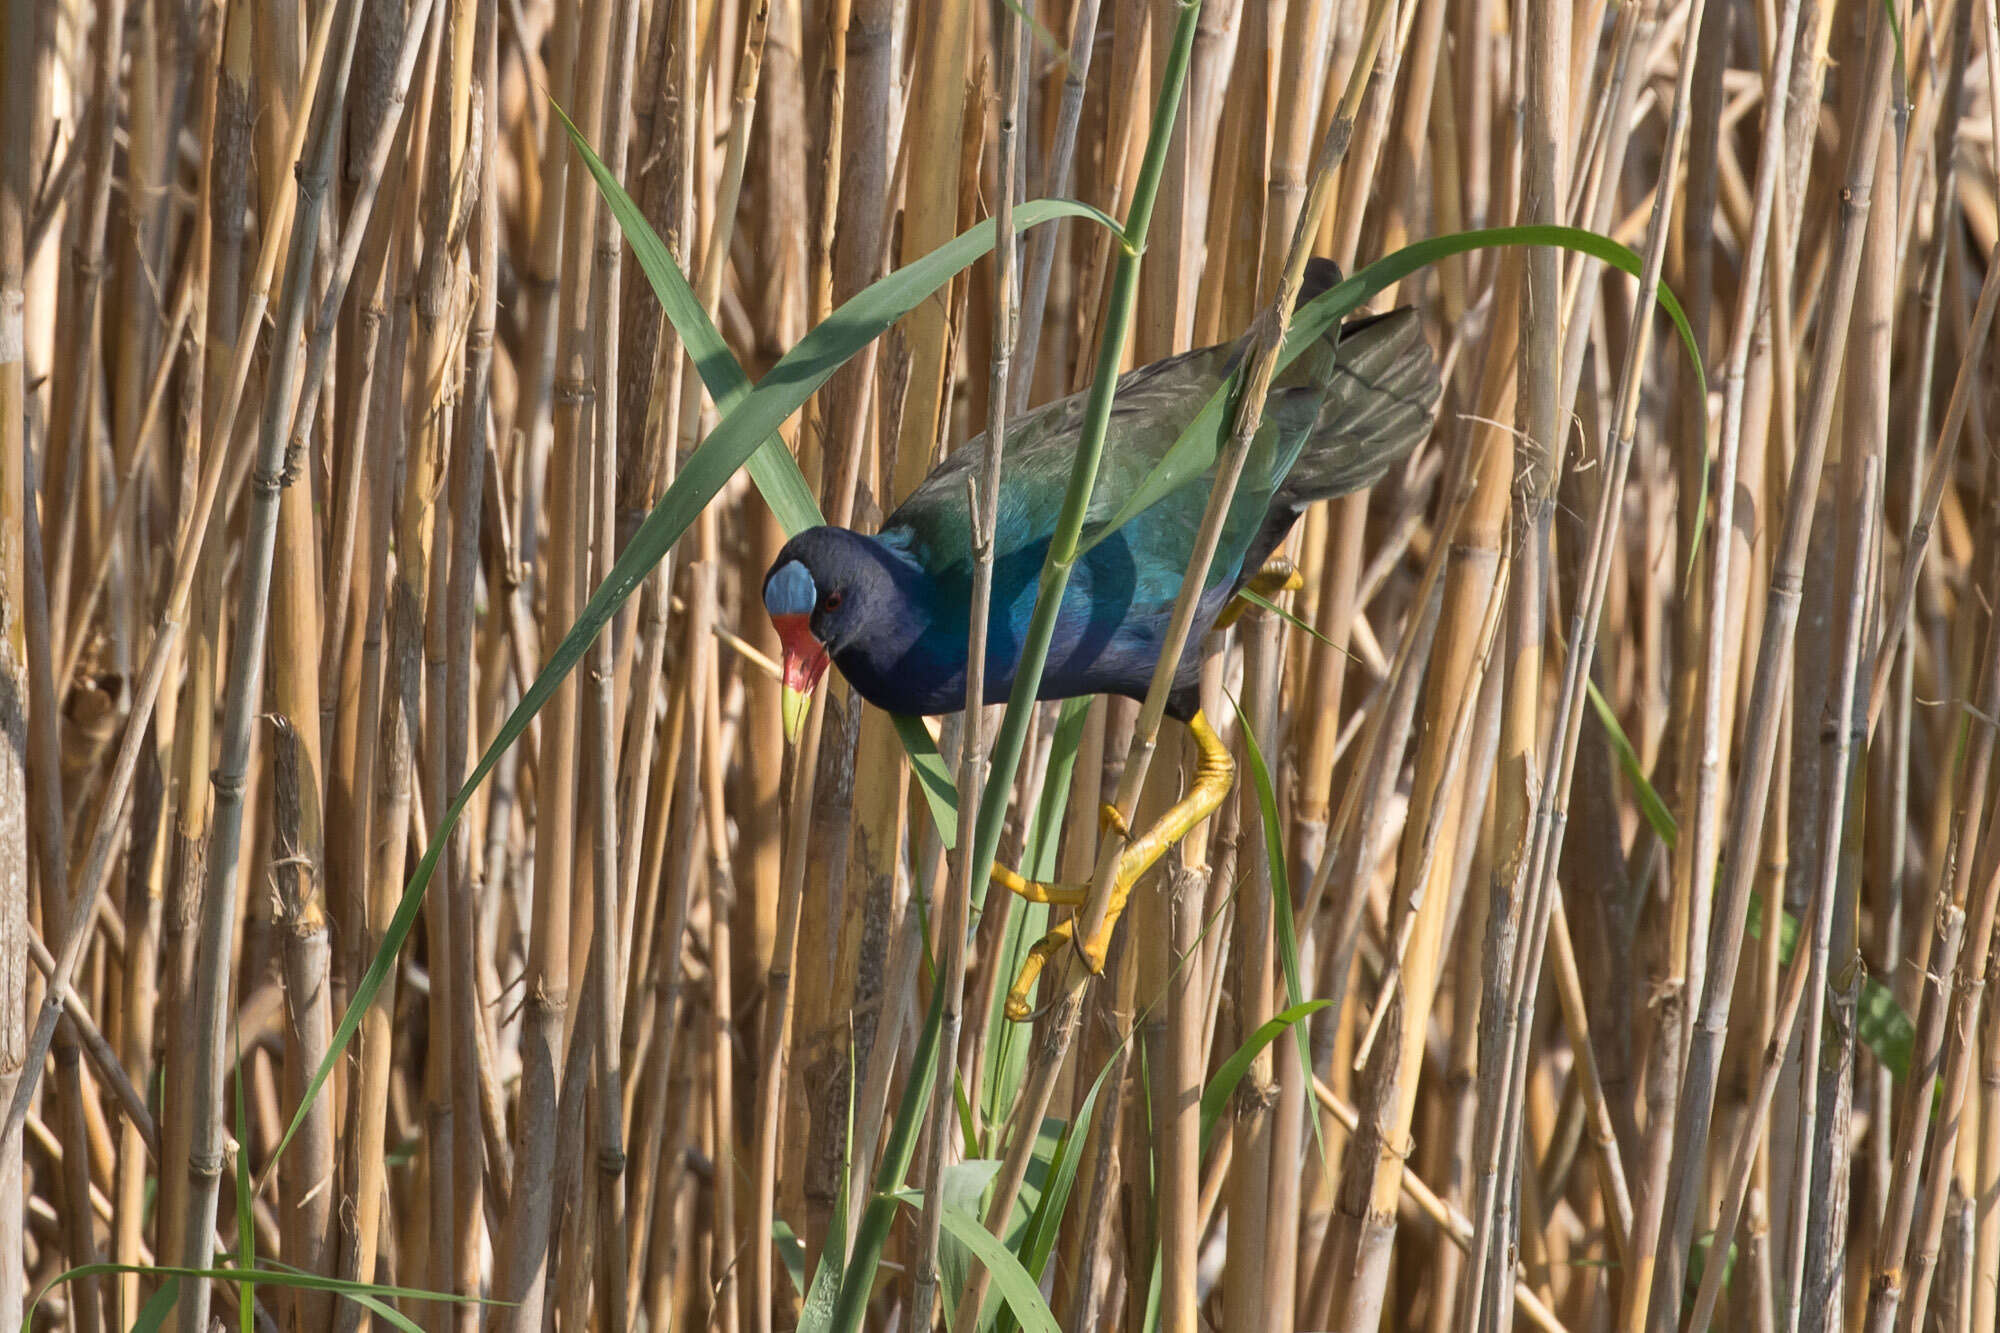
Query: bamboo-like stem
point(218, 908)
point(299, 780)
point(843, 999)
point(1817, 1260)
point(1691, 1119)
point(1943, 455)
point(526, 1244)
point(379, 861)
point(609, 940)
point(70, 430)
point(1507, 1003)
point(17, 86)
point(966, 870)
point(1054, 184)
point(1271, 1103)
point(1961, 1035)
point(1913, 1122)
point(476, 34)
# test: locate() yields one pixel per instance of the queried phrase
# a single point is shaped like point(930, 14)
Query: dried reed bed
point(1598, 936)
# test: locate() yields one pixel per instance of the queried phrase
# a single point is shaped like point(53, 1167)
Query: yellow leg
point(1214, 774)
point(1278, 575)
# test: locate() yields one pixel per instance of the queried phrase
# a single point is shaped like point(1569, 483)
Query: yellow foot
point(1064, 895)
point(1214, 774)
point(1278, 575)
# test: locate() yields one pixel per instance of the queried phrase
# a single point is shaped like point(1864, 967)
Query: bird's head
point(825, 589)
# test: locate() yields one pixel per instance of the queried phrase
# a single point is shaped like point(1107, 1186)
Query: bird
point(891, 609)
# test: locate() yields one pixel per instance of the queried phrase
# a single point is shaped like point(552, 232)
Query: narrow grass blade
point(1215, 1097)
point(1282, 924)
point(1010, 1281)
point(1665, 826)
point(372, 1295)
point(933, 777)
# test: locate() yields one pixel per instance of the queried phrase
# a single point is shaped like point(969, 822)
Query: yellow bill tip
point(797, 703)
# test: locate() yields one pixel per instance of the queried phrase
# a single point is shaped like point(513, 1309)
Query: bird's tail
point(1376, 400)
point(1377, 403)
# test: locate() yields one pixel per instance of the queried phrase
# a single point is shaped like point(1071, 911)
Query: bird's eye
point(834, 599)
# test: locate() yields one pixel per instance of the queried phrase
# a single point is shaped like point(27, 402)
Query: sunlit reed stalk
point(70, 429)
point(524, 1244)
point(607, 1189)
point(966, 869)
point(1773, 660)
point(17, 87)
point(218, 909)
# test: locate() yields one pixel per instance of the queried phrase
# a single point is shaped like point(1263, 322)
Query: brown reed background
point(326, 399)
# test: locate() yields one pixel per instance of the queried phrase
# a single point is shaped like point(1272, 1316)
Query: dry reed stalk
point(1818, 1254)
point(1365, 1213)
point(297, 759)
point(16, 199)
point(856, 209)
point(984, 497)
point(218, 905)
point(610, 941)
point(1159, 1137)
point(70, 427)
point(1519, 901)
point(1055, 183)
point(523, 1270)
point(932, 134)
point(777, 291)
point(658, 960)
point(1276, 1080)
